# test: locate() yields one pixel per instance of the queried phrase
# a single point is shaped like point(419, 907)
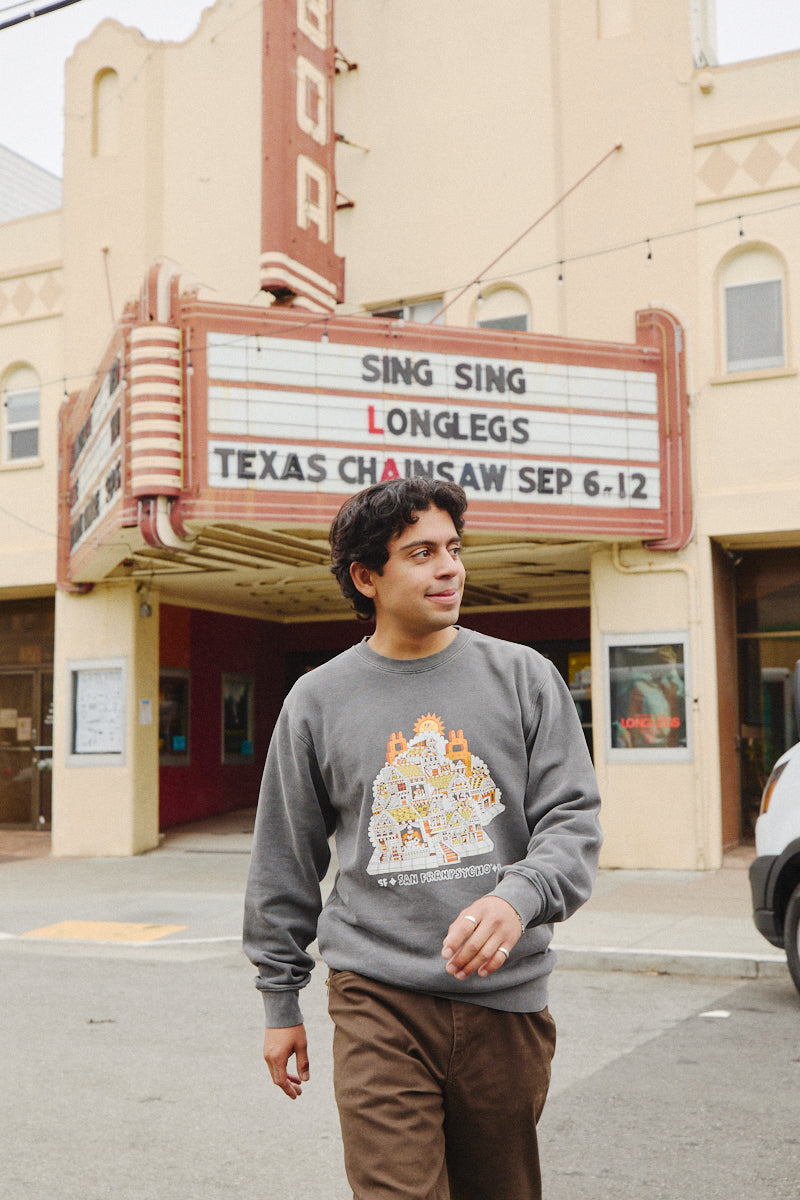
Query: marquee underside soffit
point(282, 573)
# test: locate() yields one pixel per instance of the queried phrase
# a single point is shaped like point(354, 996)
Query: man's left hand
point(481, 937)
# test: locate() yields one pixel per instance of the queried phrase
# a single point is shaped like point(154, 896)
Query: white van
point(775, 872)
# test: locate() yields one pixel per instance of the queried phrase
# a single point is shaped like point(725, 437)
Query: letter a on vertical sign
point(298, 262)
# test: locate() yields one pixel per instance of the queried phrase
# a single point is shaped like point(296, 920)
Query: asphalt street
point(136, 1075)
point(670, 1089)
point(131, 1041)
point(139, 1077)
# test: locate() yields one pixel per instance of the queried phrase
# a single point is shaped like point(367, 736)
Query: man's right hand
point(279, 1046)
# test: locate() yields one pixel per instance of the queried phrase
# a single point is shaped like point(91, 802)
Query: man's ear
point(362, 578)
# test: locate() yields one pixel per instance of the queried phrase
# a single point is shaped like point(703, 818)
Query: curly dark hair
point(367, 522)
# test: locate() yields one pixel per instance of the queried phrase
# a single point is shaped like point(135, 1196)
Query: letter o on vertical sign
point(312, 101)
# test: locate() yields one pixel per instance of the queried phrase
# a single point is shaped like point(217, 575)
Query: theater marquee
point(204, 414)
point(542, 433)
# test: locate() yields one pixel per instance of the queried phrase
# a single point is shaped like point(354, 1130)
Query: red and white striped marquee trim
point(156, 411)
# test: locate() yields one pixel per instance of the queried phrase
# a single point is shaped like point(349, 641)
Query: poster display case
point(647, 685)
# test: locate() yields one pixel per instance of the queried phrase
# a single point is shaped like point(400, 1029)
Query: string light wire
point(620, 247)
point(312, 320)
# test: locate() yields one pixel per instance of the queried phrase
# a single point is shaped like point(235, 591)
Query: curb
point(672, 962)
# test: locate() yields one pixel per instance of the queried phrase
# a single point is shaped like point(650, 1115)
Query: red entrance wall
point(209, 645)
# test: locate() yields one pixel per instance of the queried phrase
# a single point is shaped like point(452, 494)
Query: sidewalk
point(671, 922)
point(188, 892)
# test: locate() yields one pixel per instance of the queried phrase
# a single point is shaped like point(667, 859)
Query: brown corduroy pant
point(438, 1099)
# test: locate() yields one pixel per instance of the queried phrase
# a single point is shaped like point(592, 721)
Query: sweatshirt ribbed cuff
point(523, 896)
point(282, 1009)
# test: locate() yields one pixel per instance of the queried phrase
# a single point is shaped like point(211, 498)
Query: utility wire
point(16, 517)
point(538, 221)
point(35, 12)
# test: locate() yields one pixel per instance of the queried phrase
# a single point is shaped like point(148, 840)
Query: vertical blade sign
point(298, 262)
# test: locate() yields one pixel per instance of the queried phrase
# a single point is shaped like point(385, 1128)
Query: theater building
point(269, 283)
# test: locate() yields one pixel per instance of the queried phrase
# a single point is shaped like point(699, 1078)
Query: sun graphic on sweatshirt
point(430, 723)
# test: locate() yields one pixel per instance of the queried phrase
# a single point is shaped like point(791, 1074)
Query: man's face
point(418, 592)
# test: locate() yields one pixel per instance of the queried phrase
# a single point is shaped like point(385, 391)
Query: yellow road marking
point(104, 931)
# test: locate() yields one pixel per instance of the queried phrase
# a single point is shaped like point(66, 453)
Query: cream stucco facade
point(565, 165)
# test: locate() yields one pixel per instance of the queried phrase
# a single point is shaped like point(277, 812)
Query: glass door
point(16, 747)
point(26, 748)
point(768, 665)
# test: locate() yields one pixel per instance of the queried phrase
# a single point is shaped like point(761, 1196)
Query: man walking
point(453, 769)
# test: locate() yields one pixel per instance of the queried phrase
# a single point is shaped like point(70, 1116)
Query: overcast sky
point(32, 54)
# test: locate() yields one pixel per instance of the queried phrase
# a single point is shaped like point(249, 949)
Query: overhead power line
point(34, 12)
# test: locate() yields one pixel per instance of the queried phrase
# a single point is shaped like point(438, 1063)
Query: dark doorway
point(26, 748)
point(768, 641)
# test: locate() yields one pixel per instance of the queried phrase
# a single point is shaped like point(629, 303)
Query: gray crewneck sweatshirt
point(445, 779)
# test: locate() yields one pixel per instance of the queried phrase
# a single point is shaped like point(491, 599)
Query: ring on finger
point(502, 950)
point(467, 917)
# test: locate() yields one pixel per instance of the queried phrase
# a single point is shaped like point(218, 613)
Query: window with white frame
point(753, 312)
point(518, 321)
point(20, 392)
point(425, 312)
point(754, 325)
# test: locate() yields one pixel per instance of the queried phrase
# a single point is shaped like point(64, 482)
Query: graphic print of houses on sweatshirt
point(431, 801)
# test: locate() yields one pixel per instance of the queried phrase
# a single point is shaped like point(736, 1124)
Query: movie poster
point(647, 691)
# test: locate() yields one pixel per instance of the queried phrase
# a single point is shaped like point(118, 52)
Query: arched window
point(753, 300)
point(105, 113)
point(20, 393)
point(501, 306)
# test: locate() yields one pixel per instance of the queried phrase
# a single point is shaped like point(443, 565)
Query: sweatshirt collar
point(413, 666)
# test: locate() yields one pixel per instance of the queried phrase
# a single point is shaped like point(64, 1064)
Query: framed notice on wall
point(97, 712)
point(647, 685)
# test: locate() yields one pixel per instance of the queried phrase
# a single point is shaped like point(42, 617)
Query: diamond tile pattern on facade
point(26, 297)
point(743, 166)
